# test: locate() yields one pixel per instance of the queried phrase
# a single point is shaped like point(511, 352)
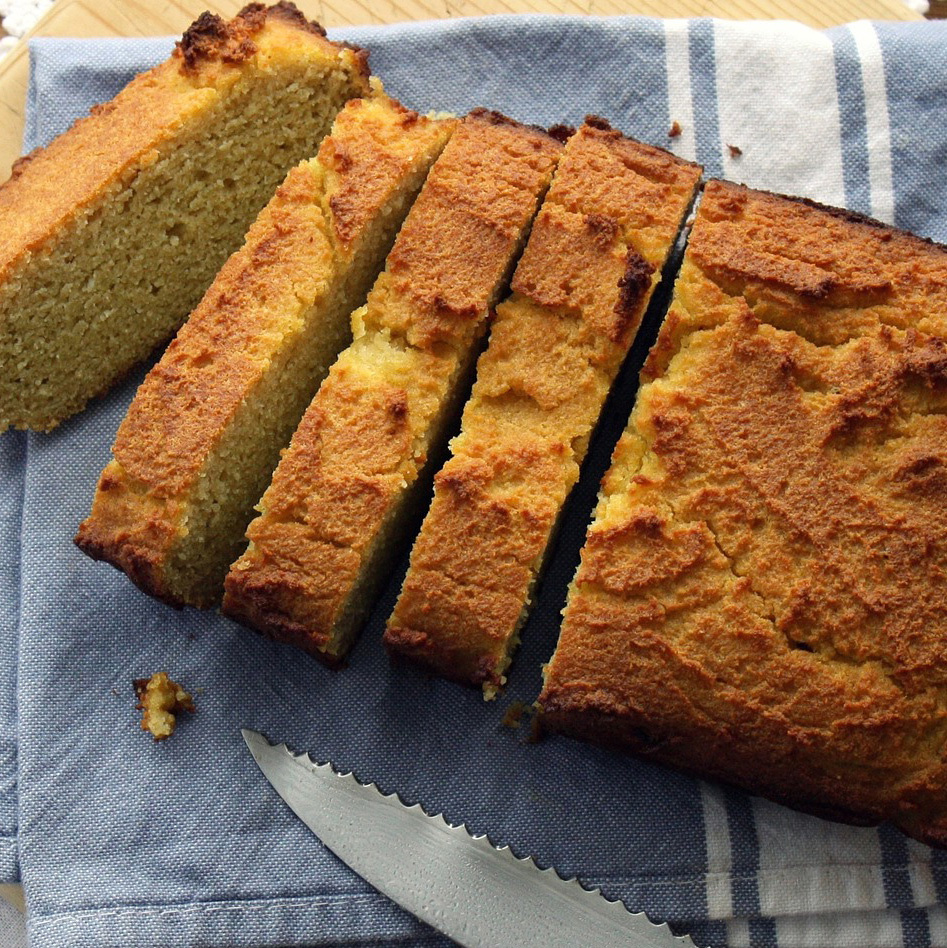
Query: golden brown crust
point(606, 227)
point(432, 297)
point(359, 179)
point(767, 248)
point(473, 563)
point(290, 13)
point(345, 470)
point(211, 38)
point(623, 194)
point(298, 246)
point(760, 596)
point(492, 117)
point(132, 531)
point(53, 185)
point(277, 598)
point(365, 440)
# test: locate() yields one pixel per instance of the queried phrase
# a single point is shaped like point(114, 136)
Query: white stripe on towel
point(852, 930)
point(680, 102)
point(810, 865)
point(876, 120)
point(719, 859)
point(784, 118)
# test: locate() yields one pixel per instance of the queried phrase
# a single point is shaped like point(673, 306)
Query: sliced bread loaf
point(332, 518)
point(594, 256)
point(205, 429)
point(110, 234)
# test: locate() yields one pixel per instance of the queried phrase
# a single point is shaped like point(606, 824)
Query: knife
point(480, 895)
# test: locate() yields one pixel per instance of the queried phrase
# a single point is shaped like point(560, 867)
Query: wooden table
point(87, 18)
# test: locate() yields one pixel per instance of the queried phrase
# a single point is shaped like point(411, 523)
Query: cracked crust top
point(761, 597)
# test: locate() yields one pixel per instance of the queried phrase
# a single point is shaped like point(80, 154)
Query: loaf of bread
point(762, 596)
point(594, 256)
point(204, 432)
point(341, 497)
point(110, 234)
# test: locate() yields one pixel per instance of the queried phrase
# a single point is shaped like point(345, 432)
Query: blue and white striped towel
point(123, 842)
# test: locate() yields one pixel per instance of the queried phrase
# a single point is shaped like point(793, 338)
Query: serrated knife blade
point(480, 895)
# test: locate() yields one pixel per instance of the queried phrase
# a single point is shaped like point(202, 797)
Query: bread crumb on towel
point(161, 699)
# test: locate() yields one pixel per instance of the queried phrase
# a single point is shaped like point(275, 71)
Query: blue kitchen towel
point(124, 842)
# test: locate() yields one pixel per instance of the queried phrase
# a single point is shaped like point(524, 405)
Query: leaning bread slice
point(593, 259)
point(205, 429)
point(332, 517)
point(762, 597)
point(110, 234)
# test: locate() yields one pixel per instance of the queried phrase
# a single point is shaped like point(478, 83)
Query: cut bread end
point(112, 232)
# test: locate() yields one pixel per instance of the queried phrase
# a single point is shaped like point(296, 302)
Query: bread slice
point(110, 234)
point(204, 431)
point(762, 595)
point(332, 518)
point(595, 254)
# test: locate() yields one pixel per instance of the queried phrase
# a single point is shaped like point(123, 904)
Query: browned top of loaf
point(101, 152)
point(210, 37)
point(190, 397)
point(432, 293)
point(762, 596)
point(351, 459)
point(600, 239)
point(365, 437)
point(626, 196)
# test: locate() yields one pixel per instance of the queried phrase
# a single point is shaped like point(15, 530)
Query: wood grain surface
point(87, 18)
point(14, 895)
